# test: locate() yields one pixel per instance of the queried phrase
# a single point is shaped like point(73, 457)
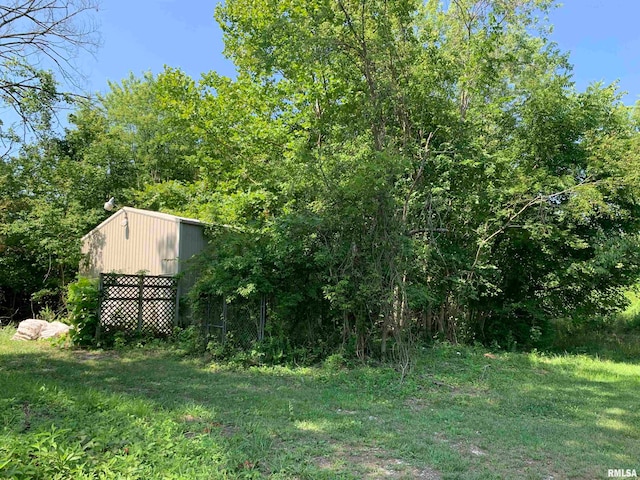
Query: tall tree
point(53, 198)
point(39, 41)
point(435, 147)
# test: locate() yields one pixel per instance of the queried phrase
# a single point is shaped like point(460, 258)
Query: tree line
point(383, 170)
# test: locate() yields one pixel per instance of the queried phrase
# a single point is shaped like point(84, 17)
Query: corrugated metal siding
point(144, 243)
point(192, 242)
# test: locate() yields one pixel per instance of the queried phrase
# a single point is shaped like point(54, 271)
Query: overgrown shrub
point(188, 340)
point(270, 351)
point(82, 307)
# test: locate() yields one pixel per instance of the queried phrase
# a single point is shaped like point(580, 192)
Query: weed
point(48, 314)
point(82, 307)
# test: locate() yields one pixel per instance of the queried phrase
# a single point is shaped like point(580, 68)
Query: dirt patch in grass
point(373, 463)
point(469, 392)
point(416, 404)
point(478, 452)
point(86, 355)
point(200, 426)
point(346, 412)
point(462, 448)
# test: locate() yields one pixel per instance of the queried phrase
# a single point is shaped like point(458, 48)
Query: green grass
point(615, 337)
point(629, 319)
point(153, 414)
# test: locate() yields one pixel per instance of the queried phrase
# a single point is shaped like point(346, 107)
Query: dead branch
point(39, 36)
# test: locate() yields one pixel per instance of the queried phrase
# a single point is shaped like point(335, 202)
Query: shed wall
point(131, 243)
point(192, 241)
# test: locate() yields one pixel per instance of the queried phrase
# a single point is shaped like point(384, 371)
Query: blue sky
point(145, 35)
point(602, 36)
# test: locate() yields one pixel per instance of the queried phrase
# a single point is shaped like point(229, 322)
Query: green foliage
point(383, 172)
point(187, 340)
point(611, 336)
point(49, 456)
point(273, 350)
point(48, 314)
point(477, 204)
point(628, 320)
point(82, 308)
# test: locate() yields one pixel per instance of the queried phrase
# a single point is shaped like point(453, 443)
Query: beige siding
point(130, 242)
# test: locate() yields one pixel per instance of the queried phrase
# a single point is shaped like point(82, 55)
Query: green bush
point(188, 340)
point(270, 351)
point(82, 306)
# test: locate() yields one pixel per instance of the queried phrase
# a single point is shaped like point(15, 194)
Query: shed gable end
point(131, 241)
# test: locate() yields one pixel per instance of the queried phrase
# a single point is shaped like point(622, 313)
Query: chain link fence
point(242, 320)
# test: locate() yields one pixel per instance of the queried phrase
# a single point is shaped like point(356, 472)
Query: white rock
point(33, 329)
point(30, 329)
point(54, 329)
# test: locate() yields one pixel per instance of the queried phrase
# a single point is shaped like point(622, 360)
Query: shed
point(138, 252)
point(132, 241)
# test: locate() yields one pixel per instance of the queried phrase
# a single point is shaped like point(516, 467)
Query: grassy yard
point(153, 414)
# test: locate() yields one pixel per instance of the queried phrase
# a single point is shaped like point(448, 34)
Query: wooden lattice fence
point(141, 304)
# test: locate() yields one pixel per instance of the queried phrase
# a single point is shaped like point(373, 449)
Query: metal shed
point(133, 242)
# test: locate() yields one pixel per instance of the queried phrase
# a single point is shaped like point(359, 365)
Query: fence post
point(224, 319)
point(140, 302)
point(99, 312)
point(177, 292)
point(263, 317)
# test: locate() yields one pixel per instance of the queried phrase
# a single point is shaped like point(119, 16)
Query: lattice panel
point(138, 304)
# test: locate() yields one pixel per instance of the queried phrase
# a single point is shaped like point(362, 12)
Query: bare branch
point(534, 201)
point(39, 40)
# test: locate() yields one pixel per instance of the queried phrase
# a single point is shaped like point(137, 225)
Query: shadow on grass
point(461, 417)
point(300, 423)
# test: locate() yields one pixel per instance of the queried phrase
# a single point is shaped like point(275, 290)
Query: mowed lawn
point(461, 414)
